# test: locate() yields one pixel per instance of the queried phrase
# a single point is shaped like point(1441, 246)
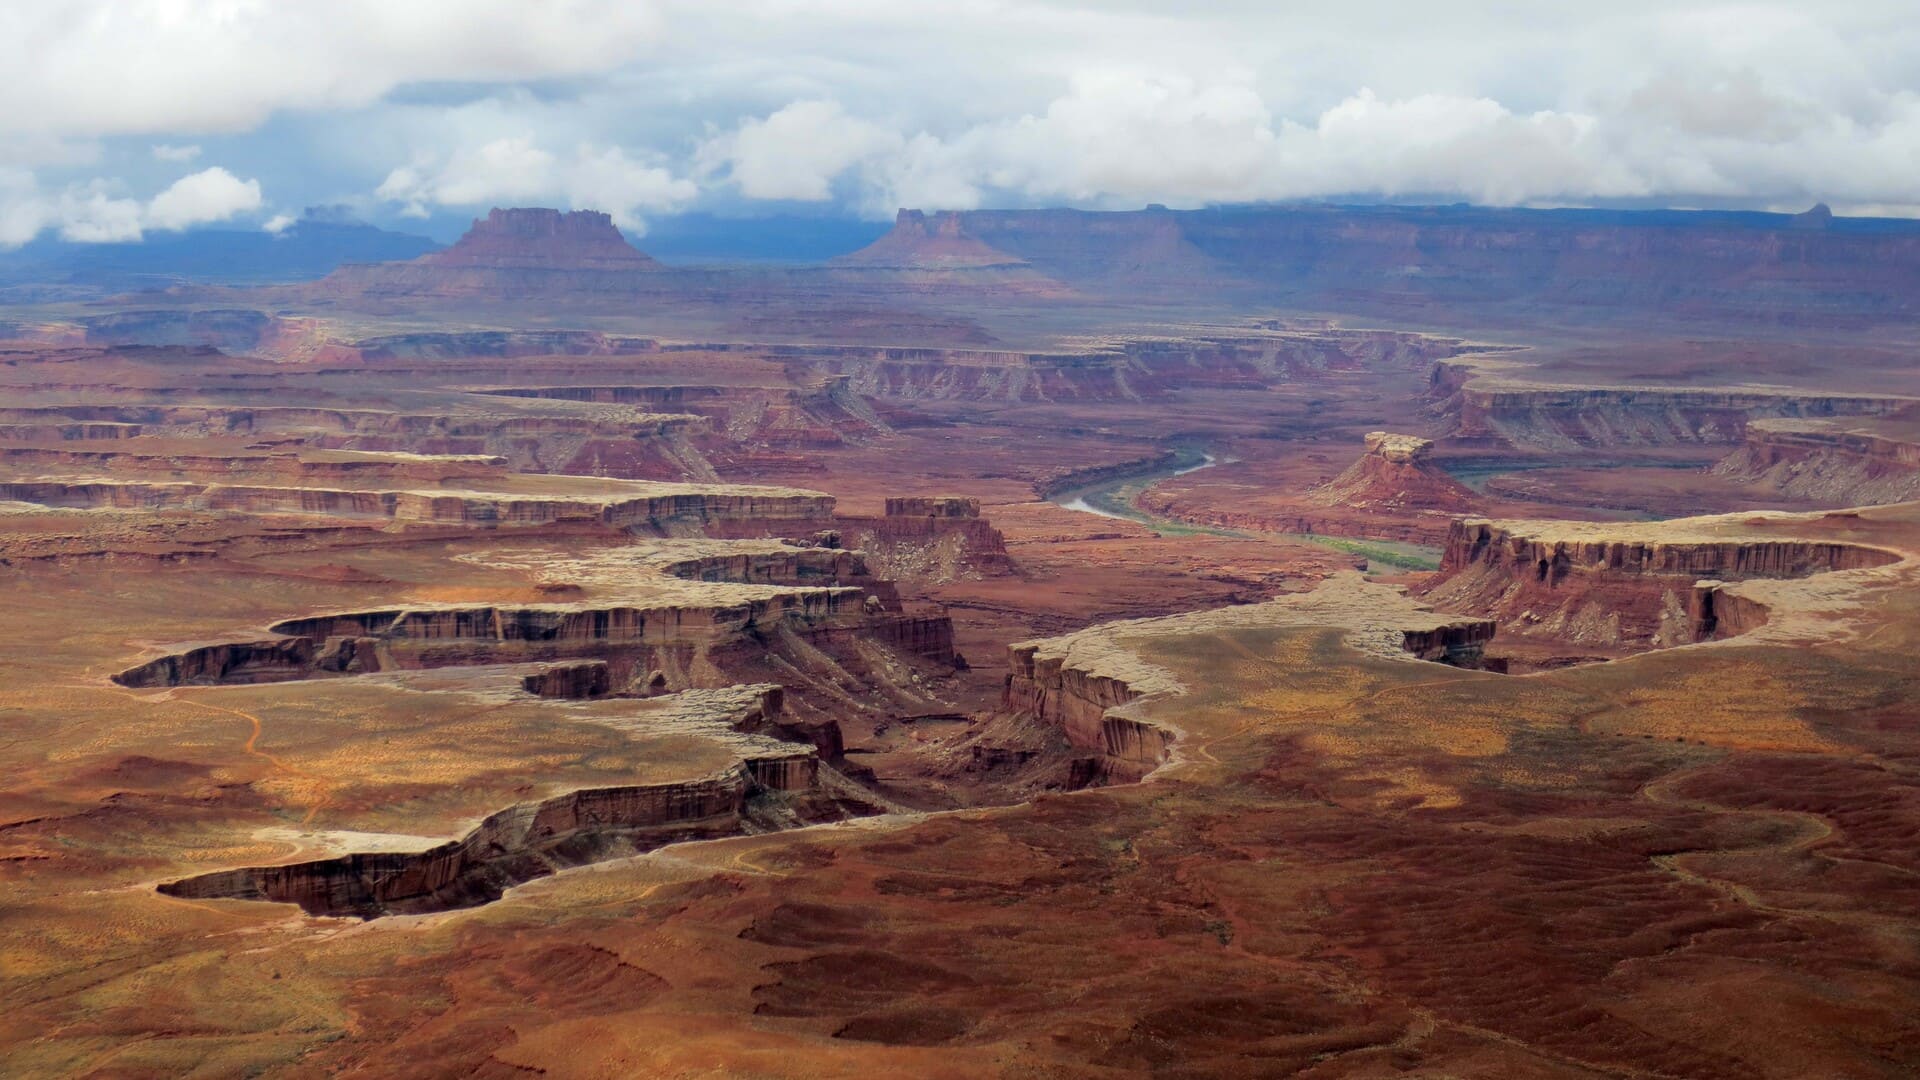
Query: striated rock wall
point(579, 679)
point(270, 660)
point(516, 845)
point(1719, 612)
point(939, 539)
point(1550, 556)
point(932, 506)
point(1618, 585)
point(671, 512)
point(1494, 411)
point(1830, 462)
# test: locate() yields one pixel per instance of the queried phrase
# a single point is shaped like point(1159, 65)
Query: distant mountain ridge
point(1794, 268)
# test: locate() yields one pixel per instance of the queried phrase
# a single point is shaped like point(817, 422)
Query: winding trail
point(252, 748)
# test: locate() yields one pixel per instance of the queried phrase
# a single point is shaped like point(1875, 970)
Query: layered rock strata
point(1637, 586)
point(659, 508)
point(1846, 463)
point(941, 538)
point(1497, 410)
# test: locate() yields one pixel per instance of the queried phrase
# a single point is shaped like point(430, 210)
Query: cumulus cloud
point(100, 212)
point(796, 152)
point(105, 67)
point(1120, 138)
point(516, 170)
point(209, 195)
point(1759, 102)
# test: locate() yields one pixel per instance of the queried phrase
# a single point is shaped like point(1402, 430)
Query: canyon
point(1294, 640)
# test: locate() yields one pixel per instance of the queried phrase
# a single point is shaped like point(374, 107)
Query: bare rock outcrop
point(1395, 472)
point(1615, 584)
point(942, 538)
point(1843, 463)
point(1499, 410)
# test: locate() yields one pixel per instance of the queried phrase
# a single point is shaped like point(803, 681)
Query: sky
point(120, 119)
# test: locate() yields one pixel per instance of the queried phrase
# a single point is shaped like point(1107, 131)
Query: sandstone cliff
point(941, 538)
point(1510, 411)
point(1617, 584)
point(1840, 463)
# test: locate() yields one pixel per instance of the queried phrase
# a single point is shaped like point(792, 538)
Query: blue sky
point(120, 118)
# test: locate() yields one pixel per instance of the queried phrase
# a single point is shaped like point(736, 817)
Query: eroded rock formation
point(941, 538)
point(1395, 472)
point(1621, 584)
point(1842, 463)
point(768, 789)
point(1503, 411)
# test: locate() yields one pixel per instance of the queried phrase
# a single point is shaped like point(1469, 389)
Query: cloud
point(179, 154)
point(1010, 102)
point(278, 224)
point(210, 195)
point(1118, 138)
point(515, 170)
point(99, 212)
point(107, 67)
point(796, 152)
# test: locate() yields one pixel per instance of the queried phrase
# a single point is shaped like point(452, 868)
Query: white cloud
point(106, 67)
point(796, 153)
point(511, 171)
point(206, 196)
point(99, 212)
point(1010, 102)
point(177, 154)
point(277, 224)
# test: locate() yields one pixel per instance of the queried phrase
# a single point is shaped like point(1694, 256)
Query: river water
point(1114, 498)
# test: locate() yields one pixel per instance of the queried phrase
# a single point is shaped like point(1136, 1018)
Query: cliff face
point(764, 791)
point(1589, 588)
point(1833, 462)
point(1569, 417)
point(942, 538)
point(670, 513)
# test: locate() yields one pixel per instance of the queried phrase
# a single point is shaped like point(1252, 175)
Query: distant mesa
point(1820, 217)
point(535, 238)
point(939, 243)
point(1394, 471)
point(518, 254)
